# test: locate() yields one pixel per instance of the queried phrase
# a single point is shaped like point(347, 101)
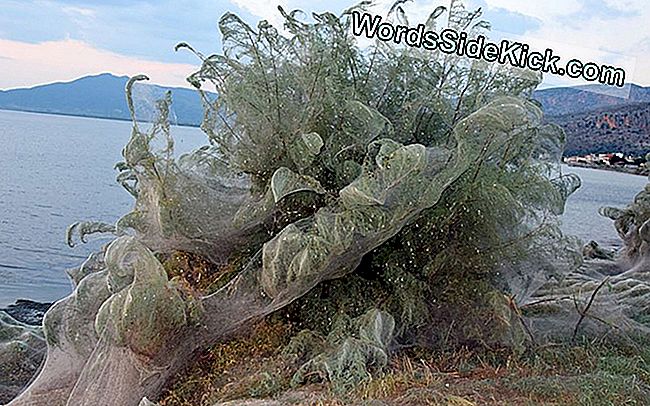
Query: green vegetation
point(255, 367)
point(359, 218)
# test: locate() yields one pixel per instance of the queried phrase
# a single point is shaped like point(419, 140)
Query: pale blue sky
point(46, 40)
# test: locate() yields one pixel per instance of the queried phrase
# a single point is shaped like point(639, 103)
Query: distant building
point(608, 159)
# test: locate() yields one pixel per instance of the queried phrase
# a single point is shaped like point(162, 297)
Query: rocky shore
point(22, 346)
point(27, 311)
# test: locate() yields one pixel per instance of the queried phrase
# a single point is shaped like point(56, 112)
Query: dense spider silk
point(426, 185)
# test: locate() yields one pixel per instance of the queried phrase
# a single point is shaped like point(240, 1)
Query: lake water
point(55, 170)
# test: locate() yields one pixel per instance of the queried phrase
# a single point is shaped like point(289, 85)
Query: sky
point(60, 40)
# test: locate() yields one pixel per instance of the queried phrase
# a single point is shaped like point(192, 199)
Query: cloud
point(543, 10)
point(105, 32)
point(79, 11)
point(265, 9)
point(25, 64)
point(142, 29)
point(627, 5)
point(612, 32)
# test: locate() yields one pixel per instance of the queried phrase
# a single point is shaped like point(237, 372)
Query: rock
point(27, 311)
point(594, 251)
point(22, 349)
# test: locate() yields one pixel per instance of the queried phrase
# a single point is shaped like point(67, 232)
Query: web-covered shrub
point(428, 176)
point(308, 116)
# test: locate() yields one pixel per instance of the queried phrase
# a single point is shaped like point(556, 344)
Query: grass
point(248, 366)
point(196, 272)
point(252, 366)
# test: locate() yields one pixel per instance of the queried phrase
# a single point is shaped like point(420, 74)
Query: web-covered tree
point(426, 185)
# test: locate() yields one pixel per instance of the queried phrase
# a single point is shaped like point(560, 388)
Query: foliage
point(326, 132)
point(430, 176)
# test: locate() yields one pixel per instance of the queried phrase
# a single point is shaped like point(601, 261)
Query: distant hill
point(623, 128)
point(594, 119)
point(579, 99)
point(597, 121)
point(102, 96)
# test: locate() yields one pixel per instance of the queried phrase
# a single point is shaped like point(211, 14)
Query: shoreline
point(90, 116)
point(27, 311)
point(639, 172)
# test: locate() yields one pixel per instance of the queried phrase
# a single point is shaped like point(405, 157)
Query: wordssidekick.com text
point(516, 54)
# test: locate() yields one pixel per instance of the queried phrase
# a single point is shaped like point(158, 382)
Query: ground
point(251, 370)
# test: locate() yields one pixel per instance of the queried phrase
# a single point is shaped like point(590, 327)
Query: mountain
point(580, 99)
point(623, 128)
point(596, 118)
point(102, 96)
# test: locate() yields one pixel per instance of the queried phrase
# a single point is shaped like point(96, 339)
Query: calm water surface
point(56, 170)
point(599, 188)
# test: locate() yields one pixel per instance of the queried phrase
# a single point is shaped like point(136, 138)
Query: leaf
point(285, 182)
point(377, 327)
point(305, 149)
point(395, 164)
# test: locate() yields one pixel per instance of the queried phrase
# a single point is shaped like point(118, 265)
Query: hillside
point(580, 99)
point(596, 121)
point(624, 128)
point(101, 96)
point(593, 118)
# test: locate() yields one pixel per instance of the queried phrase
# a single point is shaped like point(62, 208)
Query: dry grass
point(252, 367)
point(248, 366)
point(199, 274)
